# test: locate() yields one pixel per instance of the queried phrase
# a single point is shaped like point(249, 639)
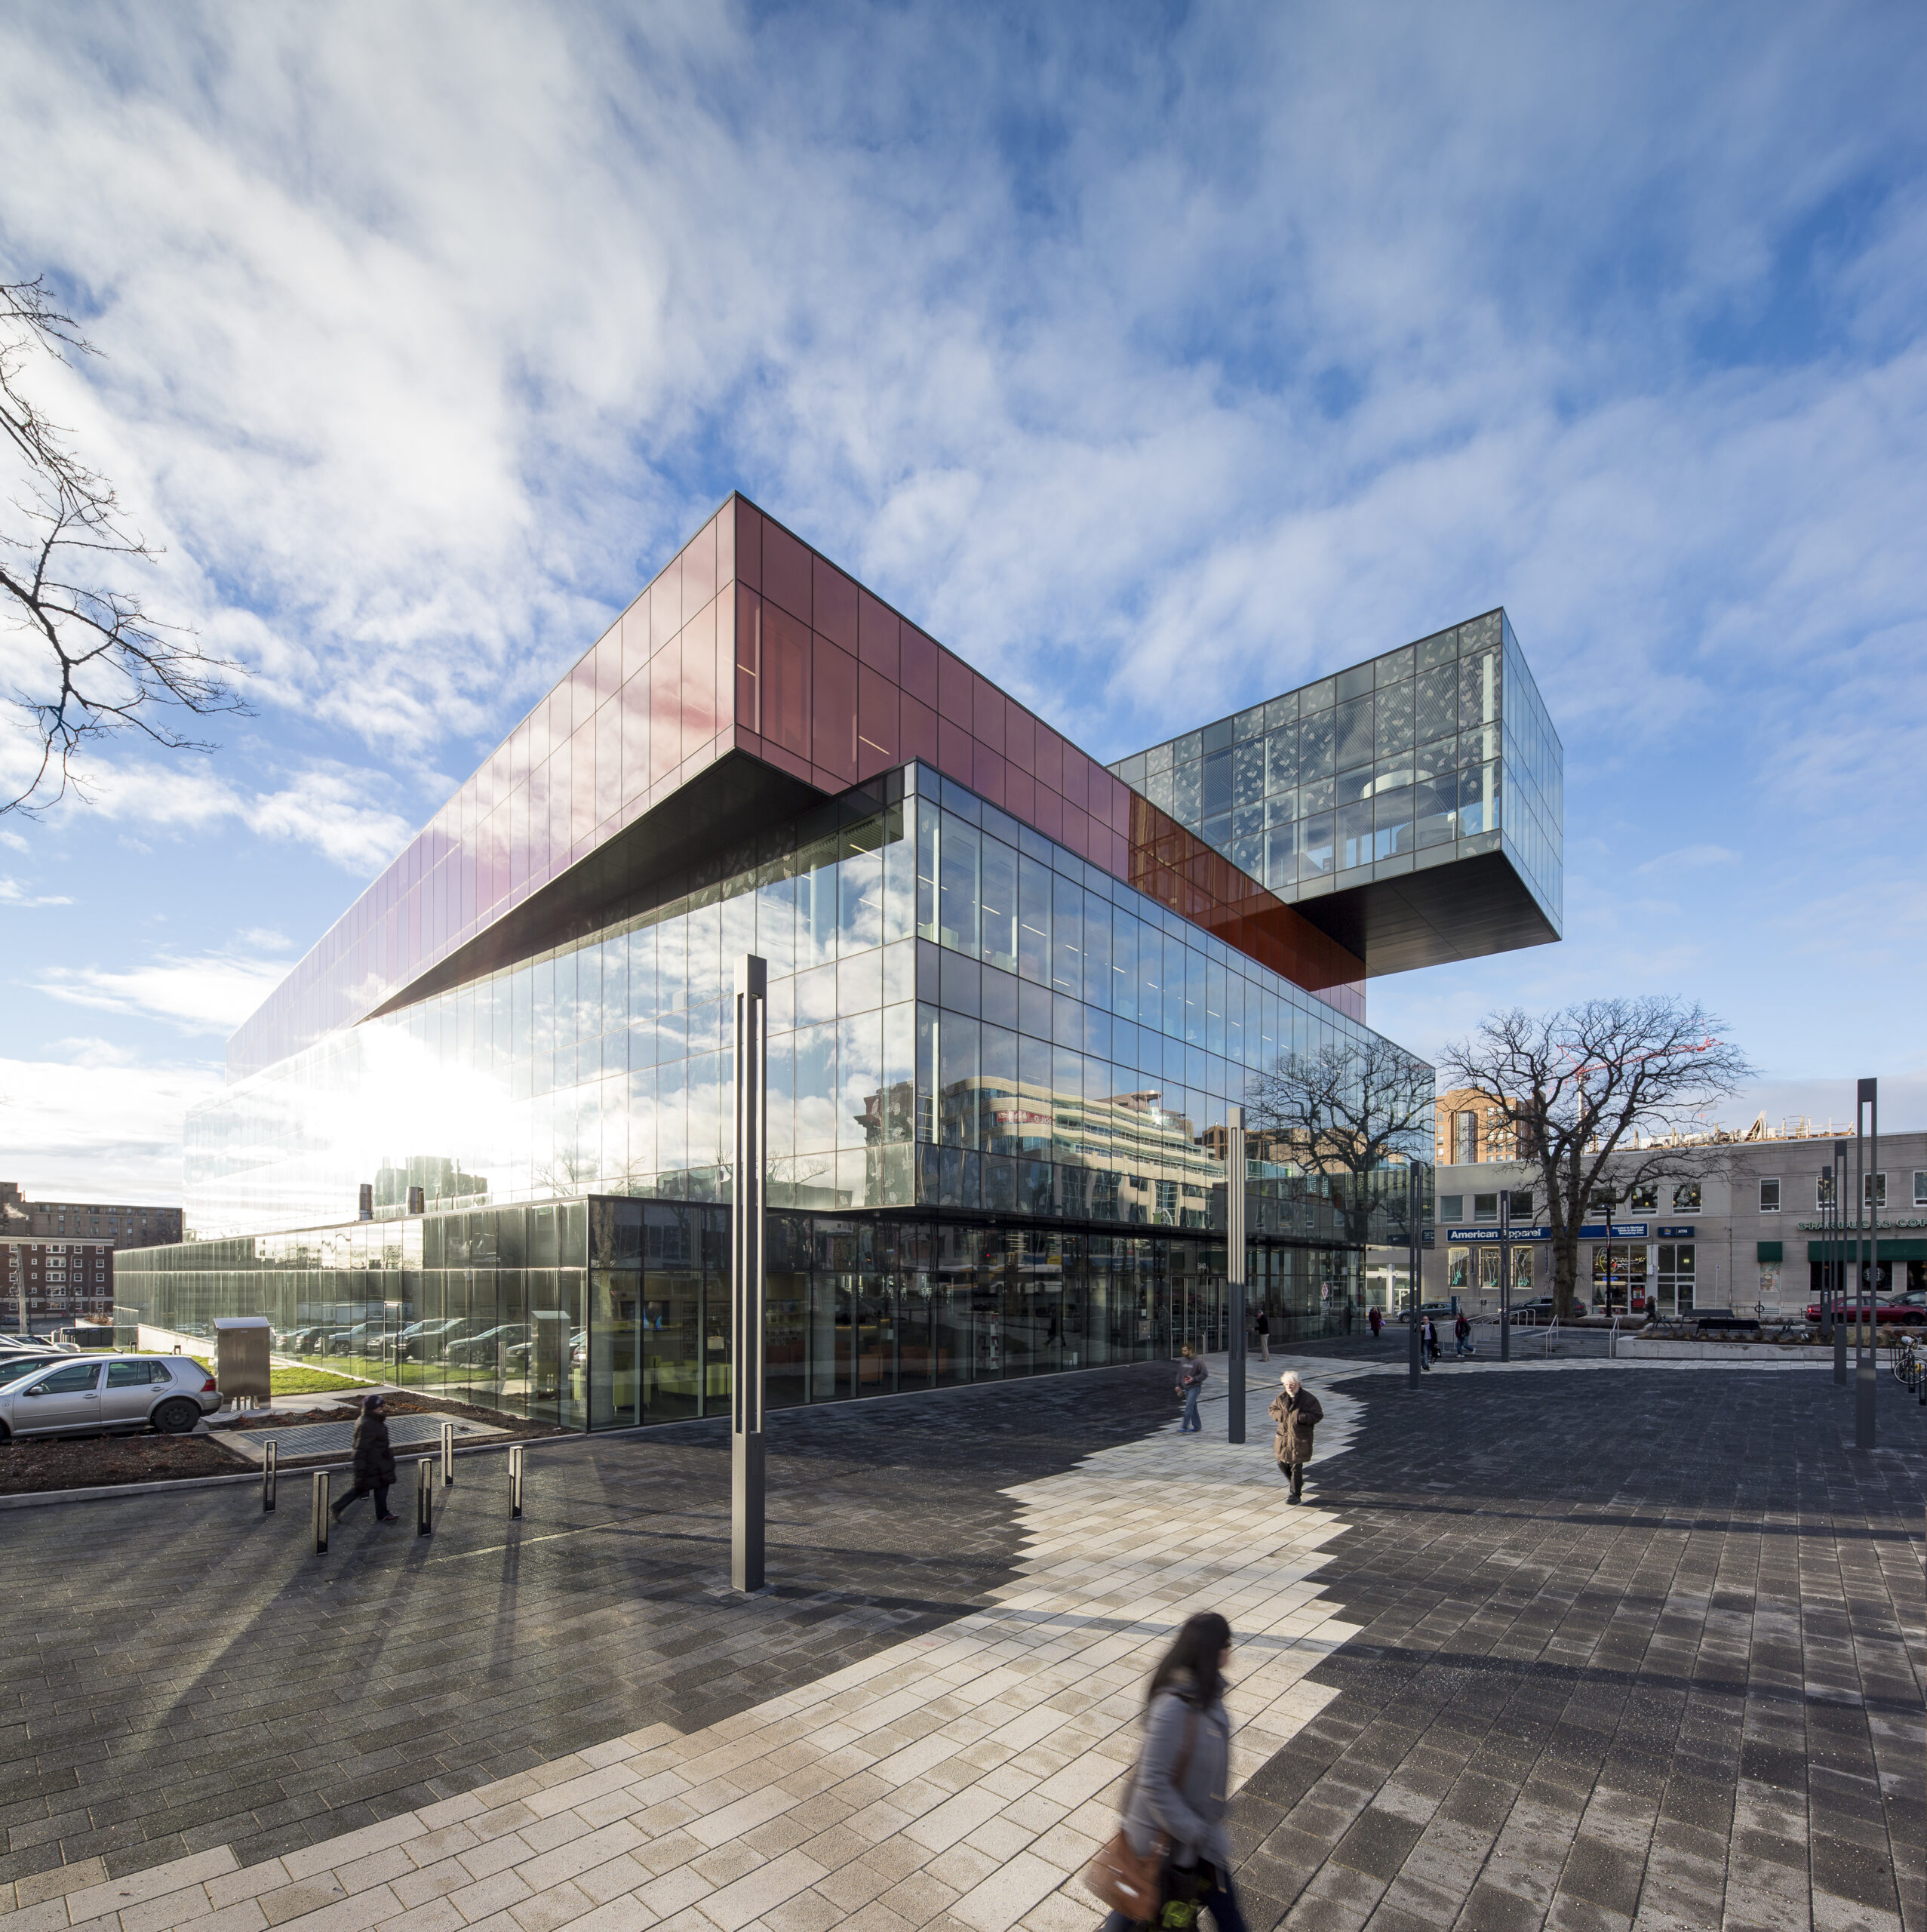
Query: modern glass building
point(1011, 999)
point(1390, 801)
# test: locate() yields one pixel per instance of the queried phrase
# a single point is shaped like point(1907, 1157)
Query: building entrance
point(1619, 1276)
point(1674, 1286)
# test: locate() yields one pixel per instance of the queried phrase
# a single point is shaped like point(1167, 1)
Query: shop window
point(1769, 1196)
point(1458, 1263)
point(1685, 1197)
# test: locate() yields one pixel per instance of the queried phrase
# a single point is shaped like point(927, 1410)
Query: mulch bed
point(96, 1462)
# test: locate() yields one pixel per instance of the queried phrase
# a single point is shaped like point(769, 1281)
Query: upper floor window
point(1644, 1199)
point(1873, 1190)
point(1920, 1187)
point(1451, 1207)
point(1685, 1197)
point(1522, 1205)
point(1823, 1192)
point(1769, 1195)
point(1485, 1206)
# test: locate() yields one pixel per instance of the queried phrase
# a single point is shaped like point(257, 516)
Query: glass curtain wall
point(608, 1313)
point(963, 1015)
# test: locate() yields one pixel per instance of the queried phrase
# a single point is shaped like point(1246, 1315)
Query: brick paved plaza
point(1585, 1644)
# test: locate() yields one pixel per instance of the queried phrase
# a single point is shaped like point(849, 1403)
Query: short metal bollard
point(268, 1473)
point(448, 1455)
point(320, 1513)
point(515, 1482)
point(425, 1497)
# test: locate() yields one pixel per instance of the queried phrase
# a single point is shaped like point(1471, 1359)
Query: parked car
point(1908, 1309)
point(420, 1339)
point(475, 1351)
point(15, 1363)
point(114, 1394)
point(1534, 1313)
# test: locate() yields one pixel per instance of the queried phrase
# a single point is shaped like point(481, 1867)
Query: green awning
point(1770, 1251)
point(1892, 1249)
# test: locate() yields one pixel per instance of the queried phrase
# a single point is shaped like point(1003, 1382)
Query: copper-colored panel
point(956, 689)
point(1076, 829)
point(582, 814)
point(833, 604)
point(876, 636)
point(699, 642)
point(666, 606)
point(916, 730)
point(749, 659)
point(748, 543)
point(987, 704)
point(786, 761)
point(724, 523)
point(699, 569)
point(956, 751)
point(1020, 737)
point(1049, 758)
point(722, 618)
point(785, 678)
point(635, 637)
point(665, 711)
point(875, 719)
point(633, 701)
point(1049, 818)
point(917, 665)
point(1020, 791)
point(833, 708)
point(987, 766)
point(785, 572)
point(1076, 787)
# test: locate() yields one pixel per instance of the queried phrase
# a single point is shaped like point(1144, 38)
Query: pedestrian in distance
point(1295, 1412)
point(374, 1462)
point(1191, 1381)
point(1431, 1338)
point(1378, 1324)
point(1264, 1336)
point(1462, 1335)
point(1172, 1842)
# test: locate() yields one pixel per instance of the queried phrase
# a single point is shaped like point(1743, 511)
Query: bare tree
point(1351, 1112)
point(1603, 1095)
point(95, 661)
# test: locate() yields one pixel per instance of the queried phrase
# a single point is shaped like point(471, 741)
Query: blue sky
point(1155, 358)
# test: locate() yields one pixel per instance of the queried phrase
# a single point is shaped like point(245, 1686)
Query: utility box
point(241, 1359)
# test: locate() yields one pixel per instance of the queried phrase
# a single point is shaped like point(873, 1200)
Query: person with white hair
point(1296, 1412)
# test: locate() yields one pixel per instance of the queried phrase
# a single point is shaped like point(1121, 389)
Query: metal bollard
point(448, 1455)
point(268, 1473)
point(515, 1482)
point(320, 1513)
point(425, 1497)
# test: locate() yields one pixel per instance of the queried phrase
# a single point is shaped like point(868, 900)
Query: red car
point(1909, 1308)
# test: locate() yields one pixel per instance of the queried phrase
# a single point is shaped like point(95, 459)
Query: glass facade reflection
point(1013, 997)
point(1439, 751)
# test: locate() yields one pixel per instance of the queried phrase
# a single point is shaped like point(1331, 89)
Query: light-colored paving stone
point(960, 1779)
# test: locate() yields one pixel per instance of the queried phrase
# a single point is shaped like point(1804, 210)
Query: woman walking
point(1296, 1412)
point(374, 1462)
point(1191, 1381)
point(1177, 1795)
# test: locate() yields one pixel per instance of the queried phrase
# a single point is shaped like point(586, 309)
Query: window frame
point(1772, 1181)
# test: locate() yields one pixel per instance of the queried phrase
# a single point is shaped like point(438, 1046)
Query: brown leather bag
point(1130, 1882)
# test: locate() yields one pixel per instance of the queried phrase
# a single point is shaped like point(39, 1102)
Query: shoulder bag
point(1130, 1881)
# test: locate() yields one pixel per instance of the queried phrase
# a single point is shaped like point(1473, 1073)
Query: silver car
point(93, 1395)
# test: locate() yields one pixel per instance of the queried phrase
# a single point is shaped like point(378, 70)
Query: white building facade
point(1749, 1235)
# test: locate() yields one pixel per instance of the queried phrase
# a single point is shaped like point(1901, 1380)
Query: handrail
point(1612, 1341)
point(1552, 1329)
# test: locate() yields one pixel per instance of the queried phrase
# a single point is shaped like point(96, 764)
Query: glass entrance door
point(1674, 1288)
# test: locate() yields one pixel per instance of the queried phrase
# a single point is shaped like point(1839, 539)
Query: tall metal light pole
point(747, 1272)
point(1837, 1267)
point(1414, 1343)
point(1867, 1198)
point(1234, 1262)
point(1505, 1274)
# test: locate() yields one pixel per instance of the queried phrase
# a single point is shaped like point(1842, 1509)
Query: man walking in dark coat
point(374, 1462)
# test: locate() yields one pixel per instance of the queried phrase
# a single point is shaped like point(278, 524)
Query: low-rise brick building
point(59, 1254)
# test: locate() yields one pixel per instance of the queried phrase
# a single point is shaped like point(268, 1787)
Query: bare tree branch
point(1352, 1111)
point(99, 663)
point(1587, 1092)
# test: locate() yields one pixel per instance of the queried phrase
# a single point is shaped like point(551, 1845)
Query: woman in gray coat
point(1177, 1794)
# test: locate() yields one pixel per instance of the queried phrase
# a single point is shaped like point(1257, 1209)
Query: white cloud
point(1684, 858)
point(211, 993)
point(12, 893)
point(89, 1125)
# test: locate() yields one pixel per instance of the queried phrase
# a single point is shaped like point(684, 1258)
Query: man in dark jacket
point(374, 1462)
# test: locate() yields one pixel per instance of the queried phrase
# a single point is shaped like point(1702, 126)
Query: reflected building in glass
point(1011, 996)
